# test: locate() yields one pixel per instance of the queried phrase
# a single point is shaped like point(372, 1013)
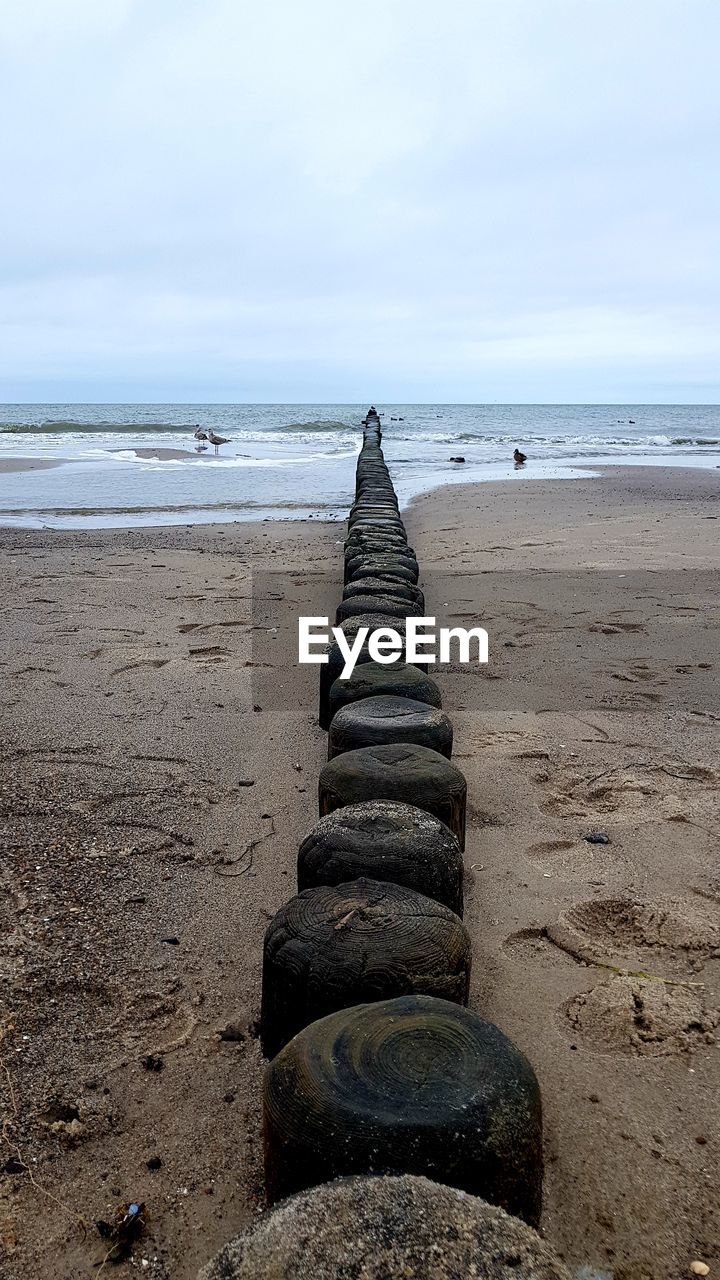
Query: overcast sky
point(456, 200)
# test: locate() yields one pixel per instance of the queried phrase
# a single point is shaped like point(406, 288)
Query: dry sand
point(160, 766)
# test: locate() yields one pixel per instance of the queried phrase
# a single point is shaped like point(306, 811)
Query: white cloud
point(432, 193)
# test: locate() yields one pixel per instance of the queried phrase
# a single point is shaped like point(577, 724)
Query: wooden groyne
point(379, 1074)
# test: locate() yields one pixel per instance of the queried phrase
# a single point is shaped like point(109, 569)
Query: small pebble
point(153, 1163)
point(699, 1268)
point(597, 837)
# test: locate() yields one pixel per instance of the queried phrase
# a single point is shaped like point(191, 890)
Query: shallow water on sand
point(288, 461)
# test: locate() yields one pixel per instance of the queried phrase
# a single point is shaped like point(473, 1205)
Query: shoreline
point(176, 516)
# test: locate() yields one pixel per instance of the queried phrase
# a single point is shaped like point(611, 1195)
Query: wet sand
point(161, 756)
point(7, 465)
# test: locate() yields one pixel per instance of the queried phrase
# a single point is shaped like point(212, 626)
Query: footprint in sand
point(545, 848)
point(155, 663)
point(640, 1017)
point(629, 934)
point(640, 671)
point(572, 859)
point(615, 628)
point(210, 651)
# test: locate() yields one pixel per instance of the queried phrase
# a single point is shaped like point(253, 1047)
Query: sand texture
point(376, 1228)
point(160, 761)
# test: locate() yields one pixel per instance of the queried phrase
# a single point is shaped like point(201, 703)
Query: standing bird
point(216, 440)
point(519, 457)
point(199, 434)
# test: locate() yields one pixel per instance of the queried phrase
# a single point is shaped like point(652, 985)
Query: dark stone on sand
point(340, 945)
point(384, 840)
point(385, 1228)
point(411, 1085)
point(374, 564)
point(381, 586)
point(385, 718)
point(391, 606)
point(399, 679)
point(405, 772)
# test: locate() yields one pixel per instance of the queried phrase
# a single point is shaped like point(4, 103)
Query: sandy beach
point(160, 759)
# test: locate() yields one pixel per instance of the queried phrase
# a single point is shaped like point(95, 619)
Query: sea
point(286, 461)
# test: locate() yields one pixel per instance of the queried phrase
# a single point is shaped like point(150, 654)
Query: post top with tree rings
point(352, 625)
point(401, 680)
point(370, 544)
point(372, 537)
point(387, 567)
point(375, 586)
point(388, 560)
point(411, 1085)
point(385, 718)
point(375, 517)
point(383, 1228)
point(384, 840)
point(387, 604)
point(375, 512)
point(397, 771)
point(371, 540)
point(369, 505)
point(392, 556)
point(340, 945)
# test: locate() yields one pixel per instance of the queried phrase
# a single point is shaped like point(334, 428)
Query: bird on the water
point(199, 434)
point(216, 440)
point(519, 457)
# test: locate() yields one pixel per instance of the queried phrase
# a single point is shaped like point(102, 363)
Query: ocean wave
point(319, 425)
point(93, 428)
point(581, 439)
point(694, 440)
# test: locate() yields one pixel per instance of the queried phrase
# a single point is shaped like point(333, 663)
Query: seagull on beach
point(216, 440)
point(199, 434)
